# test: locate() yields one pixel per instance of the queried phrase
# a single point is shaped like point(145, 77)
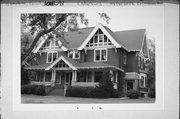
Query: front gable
point(61, 63)
point(98, 40)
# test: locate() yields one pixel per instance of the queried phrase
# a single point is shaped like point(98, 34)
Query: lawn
point(61, 99)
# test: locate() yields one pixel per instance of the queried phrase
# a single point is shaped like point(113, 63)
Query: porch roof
point(85, 65)
point(39, 67)
point(96, 65)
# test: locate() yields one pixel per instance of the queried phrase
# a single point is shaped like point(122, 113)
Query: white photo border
point(17, 106)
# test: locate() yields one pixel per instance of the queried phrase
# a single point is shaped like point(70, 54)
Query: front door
point(63, 78)
point(129, 85)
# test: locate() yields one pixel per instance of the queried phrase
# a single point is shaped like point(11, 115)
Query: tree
point(151, 66)
point(51, 25)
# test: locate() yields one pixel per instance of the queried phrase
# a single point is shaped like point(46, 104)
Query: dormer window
point(74, 54)
point(51, 57)
point(99, 40)
point(50, 45)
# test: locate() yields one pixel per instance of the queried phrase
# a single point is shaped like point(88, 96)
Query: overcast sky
point(131, 17)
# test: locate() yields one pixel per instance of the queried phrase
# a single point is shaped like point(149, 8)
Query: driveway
point(61, 99)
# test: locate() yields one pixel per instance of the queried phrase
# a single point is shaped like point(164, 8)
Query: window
point(99, 39)
point(50, 45)
point(70, 54)
point(51, 57)
point(142, 81)
point(48, 76)
point(61, 64)
point(89, 77)
point(100, 55)
point(75, 54)
point(124, 58)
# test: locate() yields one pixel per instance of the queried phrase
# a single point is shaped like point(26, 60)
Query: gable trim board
point(99, 26)
point(64, 59)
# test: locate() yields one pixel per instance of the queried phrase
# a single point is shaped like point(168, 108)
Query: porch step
point(57, 92)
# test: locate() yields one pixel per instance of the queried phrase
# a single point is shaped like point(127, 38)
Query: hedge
point(90, 92)
point(133, 94)
point(33, 89)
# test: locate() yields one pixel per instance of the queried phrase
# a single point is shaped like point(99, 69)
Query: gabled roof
point(39, 67)
point(76, 38)
point(73, 65)
point(131, 40)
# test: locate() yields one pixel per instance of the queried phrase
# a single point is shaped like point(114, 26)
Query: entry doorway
point(63, 78)
point(130, 85)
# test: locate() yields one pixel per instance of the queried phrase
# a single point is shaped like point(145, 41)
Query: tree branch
point(25, 57)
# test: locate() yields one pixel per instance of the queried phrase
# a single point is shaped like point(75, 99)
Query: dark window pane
point(97, 54)
point(48, 76)
point(49, 57)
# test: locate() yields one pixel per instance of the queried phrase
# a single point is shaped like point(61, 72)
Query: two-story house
point(87, 53)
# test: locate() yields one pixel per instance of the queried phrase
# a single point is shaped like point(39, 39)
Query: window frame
point(101, 49)
point(74, 54)
point(52, 56)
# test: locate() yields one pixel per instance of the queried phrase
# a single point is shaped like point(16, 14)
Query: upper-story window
point(74, 54)
point(99, 39)
point(51, 56)
point(100, 55)
point(50, 45)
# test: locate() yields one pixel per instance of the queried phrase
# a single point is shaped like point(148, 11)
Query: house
point(87, 53)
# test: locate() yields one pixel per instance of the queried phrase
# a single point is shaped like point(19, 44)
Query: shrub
point(78, 91)
point(98, 93)
point(107, 85)
point(152, 93)
point(133, 94)
point(33, 89)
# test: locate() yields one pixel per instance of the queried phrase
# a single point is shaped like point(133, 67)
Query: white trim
point(61, 58)
point(73, 54)
point(100, 49)
point(42, 43)
point(99, 26)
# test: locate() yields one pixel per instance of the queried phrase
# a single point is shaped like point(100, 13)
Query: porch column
point(74, 76)
point(111, 73)
point(116, 77)
point(54, 78)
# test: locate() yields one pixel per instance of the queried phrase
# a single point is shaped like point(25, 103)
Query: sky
point(131, 17)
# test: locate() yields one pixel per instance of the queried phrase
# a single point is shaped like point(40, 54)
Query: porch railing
point(43, 83)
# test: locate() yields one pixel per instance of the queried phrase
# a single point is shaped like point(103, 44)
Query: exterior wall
point(89, 57)
point(112, 56)
point(132, 62)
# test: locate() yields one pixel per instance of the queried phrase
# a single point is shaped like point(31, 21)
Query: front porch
point(61, 78)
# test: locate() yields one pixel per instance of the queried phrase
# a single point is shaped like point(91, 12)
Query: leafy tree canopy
point(50, 25)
